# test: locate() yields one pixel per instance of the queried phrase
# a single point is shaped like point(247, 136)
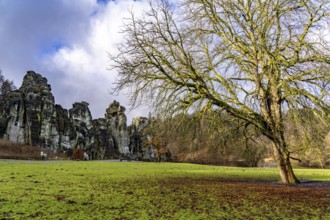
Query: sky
point(68, 42)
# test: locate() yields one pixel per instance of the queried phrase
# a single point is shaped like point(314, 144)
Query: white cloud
point(68, 42)
point(85, 64)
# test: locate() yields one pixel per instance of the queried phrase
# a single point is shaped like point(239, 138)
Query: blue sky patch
point(102, 1)
point(51, 49)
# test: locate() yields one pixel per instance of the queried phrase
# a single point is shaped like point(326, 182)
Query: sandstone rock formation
point(137, 135)
point(31, 112)
point(33, 118)
point(104, 146)
point(117, 125)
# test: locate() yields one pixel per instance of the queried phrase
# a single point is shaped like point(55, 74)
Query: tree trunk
point(283, 163)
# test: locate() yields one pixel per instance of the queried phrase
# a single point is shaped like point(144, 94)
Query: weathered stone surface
point(117, 126)
point(15, 130)
point(33, 118)
point(81, 119)
point(136, 135)
point(31, 112)
point(63, 131)
point(104, 144)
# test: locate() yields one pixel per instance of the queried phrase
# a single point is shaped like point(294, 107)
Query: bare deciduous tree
point(6, 87)
point(254, 59)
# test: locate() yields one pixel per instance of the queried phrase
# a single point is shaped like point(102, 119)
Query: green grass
point(114, 190)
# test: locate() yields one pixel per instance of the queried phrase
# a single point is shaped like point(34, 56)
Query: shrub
point(78, 154)
point(69, 152)
point(9, 150)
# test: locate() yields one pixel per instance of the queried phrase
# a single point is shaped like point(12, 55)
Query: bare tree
point(306, 136)
point(6, 87)
point(253, 59)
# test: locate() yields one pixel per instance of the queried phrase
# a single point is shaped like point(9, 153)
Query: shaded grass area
point(113, 190)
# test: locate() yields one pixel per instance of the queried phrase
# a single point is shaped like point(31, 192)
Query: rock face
point(63, 131)
point(117, 125)
point(33, 118)
point(31, 112)
point(81, 120)
point(137, 135)
point(104, 146)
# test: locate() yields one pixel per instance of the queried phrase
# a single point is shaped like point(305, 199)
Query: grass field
point(114, 190)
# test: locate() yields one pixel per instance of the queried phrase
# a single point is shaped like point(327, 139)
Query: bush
point(69, 152)
point(9, 150)
point(78, 154)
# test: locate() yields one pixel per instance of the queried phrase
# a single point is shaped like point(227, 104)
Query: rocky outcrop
point(63, 131)
point(117, 125)
point(31, 112)
point(137, 135)
point(33, 118)
point(81, 120)
point(104, 145)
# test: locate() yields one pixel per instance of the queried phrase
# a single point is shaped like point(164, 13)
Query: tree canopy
point(253, 59)
point(6, 86)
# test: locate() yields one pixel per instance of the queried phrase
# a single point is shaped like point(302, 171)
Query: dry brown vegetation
point(9, 150)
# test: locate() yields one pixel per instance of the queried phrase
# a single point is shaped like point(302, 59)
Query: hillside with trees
point(220, 140)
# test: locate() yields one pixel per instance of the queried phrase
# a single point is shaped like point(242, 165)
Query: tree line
point(226, 141)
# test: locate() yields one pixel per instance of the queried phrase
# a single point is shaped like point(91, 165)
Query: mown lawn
point(114, 190)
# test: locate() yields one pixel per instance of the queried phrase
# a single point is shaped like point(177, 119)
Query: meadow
point(136, 190)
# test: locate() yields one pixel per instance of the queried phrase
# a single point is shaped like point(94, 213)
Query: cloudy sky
point(67, 41)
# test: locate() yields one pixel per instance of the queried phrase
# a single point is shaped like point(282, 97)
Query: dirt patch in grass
point(252, 199)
